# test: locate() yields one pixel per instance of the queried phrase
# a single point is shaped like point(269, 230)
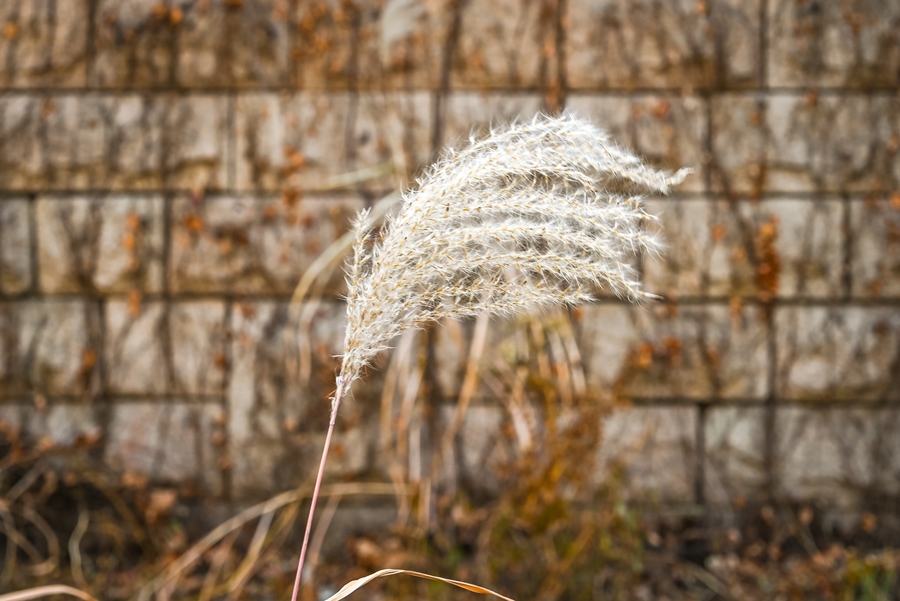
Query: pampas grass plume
point(541, 213)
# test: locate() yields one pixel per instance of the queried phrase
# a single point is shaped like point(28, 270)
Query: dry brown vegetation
point(535, 525)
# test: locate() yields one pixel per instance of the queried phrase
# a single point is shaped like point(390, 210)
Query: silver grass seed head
point(538, 213)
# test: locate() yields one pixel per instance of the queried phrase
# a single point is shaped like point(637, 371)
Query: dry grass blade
point(334, 254)
point(46, 591)
point(75, 548)
point(355, 585)
point(220, 556)
point(196, 552)
point(47, 566)
point(314, 279)
point(466, 392)
point(245, 570)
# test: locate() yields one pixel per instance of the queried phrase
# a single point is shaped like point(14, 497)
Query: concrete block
point(47, 347)
point(629, 44)
point(837, 353)
point(467, 114)
point(805, 142)
point(136, 339)
point(169, 442)
point(199, 358)
point(113, 142)
point(779, 247)
point(875, 247)
point(735, 453)
point(306, 140)
point(235, 44)
point(44, 43)
point(834, 143)
point(276, 419)
point(145, 43)
point(833, 44)
point(667, 131)
point(845, 457)
point(244, 244)
point(739, 143)
point(504, 44)
point(155, 349)
point(197, 151)
point(81, 142)
point(655, 447)
point(478, 452)
point(694, 352)
point(58, 424)
point(100, 243)
point(135, 43)
point(16, 269)
point(370, 44)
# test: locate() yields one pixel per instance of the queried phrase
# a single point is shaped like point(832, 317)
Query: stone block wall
point(170, 168)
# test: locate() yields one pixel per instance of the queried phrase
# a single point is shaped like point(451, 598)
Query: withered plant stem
point(315, 496)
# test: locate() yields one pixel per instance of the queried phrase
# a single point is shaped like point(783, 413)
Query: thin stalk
point(315, 496)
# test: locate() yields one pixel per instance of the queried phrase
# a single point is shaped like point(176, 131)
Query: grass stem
point(315, 496)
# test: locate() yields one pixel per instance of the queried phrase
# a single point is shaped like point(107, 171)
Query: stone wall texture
point(170, 168)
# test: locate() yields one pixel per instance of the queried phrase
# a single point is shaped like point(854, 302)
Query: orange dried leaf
point(644, 356)
point(718, 232)
point(193, 223)
point(88, 359)
point(662, 109)
point(134, 303)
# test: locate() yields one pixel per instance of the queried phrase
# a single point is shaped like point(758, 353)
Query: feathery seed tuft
point(540, 213)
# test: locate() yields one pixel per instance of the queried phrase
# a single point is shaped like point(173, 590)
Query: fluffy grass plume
point(536, 214)
point(540, 213)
